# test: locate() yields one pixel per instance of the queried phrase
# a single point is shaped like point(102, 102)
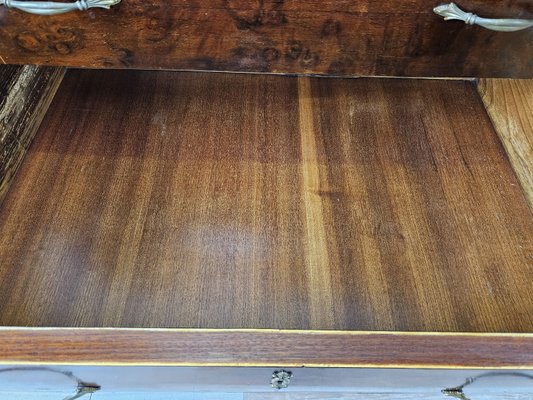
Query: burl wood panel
point(510, 106)
point(25, 94)
point(265, 348)
point(333, 37)
point(153, 199)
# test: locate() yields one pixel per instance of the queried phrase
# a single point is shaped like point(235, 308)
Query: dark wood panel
point(153, 199)
point(25, 94)
point(334, 37)
point(264, 348)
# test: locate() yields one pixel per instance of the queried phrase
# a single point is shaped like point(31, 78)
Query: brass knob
point(281, 379)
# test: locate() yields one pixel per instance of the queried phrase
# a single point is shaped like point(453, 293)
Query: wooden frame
point(25, 94)
point(226, 347)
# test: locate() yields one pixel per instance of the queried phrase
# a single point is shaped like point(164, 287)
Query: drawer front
point(332, 37)
point(239, 383)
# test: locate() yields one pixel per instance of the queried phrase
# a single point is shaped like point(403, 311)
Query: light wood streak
point(510, 106)
point(317, 260)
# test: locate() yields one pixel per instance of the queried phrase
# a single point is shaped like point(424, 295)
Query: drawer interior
point(154, 199)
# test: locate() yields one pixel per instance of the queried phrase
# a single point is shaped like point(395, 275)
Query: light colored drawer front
point(256, 383)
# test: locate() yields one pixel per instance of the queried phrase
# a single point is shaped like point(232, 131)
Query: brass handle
point(53, 8)
point(82, 387)
point(82, 390)
point(458, 393)
point(453, 12)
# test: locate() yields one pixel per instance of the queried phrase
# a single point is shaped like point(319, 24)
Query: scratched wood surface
point(154, 199)
point(25, 94)
point(510, 106)
point(333, 37)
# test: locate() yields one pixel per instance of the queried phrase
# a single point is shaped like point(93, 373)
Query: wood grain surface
point(333, 37)
point(25, 94)
point(265, 348)
point(153, 199)
point(510, 106)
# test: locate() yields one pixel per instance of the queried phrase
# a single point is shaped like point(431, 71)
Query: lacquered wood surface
point(333, 37)
point(510, 106)
point(224, 201)
point(268, 348)
point(25, 94)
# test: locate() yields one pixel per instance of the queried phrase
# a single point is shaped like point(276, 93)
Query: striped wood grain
point(264, 348)
point(155, 199)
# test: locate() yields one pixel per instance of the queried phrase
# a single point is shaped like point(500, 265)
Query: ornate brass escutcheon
point(281, 379)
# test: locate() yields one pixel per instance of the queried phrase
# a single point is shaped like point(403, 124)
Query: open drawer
point(200, 232)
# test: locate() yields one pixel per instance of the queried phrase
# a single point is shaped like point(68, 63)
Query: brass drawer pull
point(53, 8)
point(82, 388)
point(453, 12)
point(458, 393)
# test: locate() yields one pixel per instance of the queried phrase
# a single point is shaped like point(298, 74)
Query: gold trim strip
point(279, 331)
